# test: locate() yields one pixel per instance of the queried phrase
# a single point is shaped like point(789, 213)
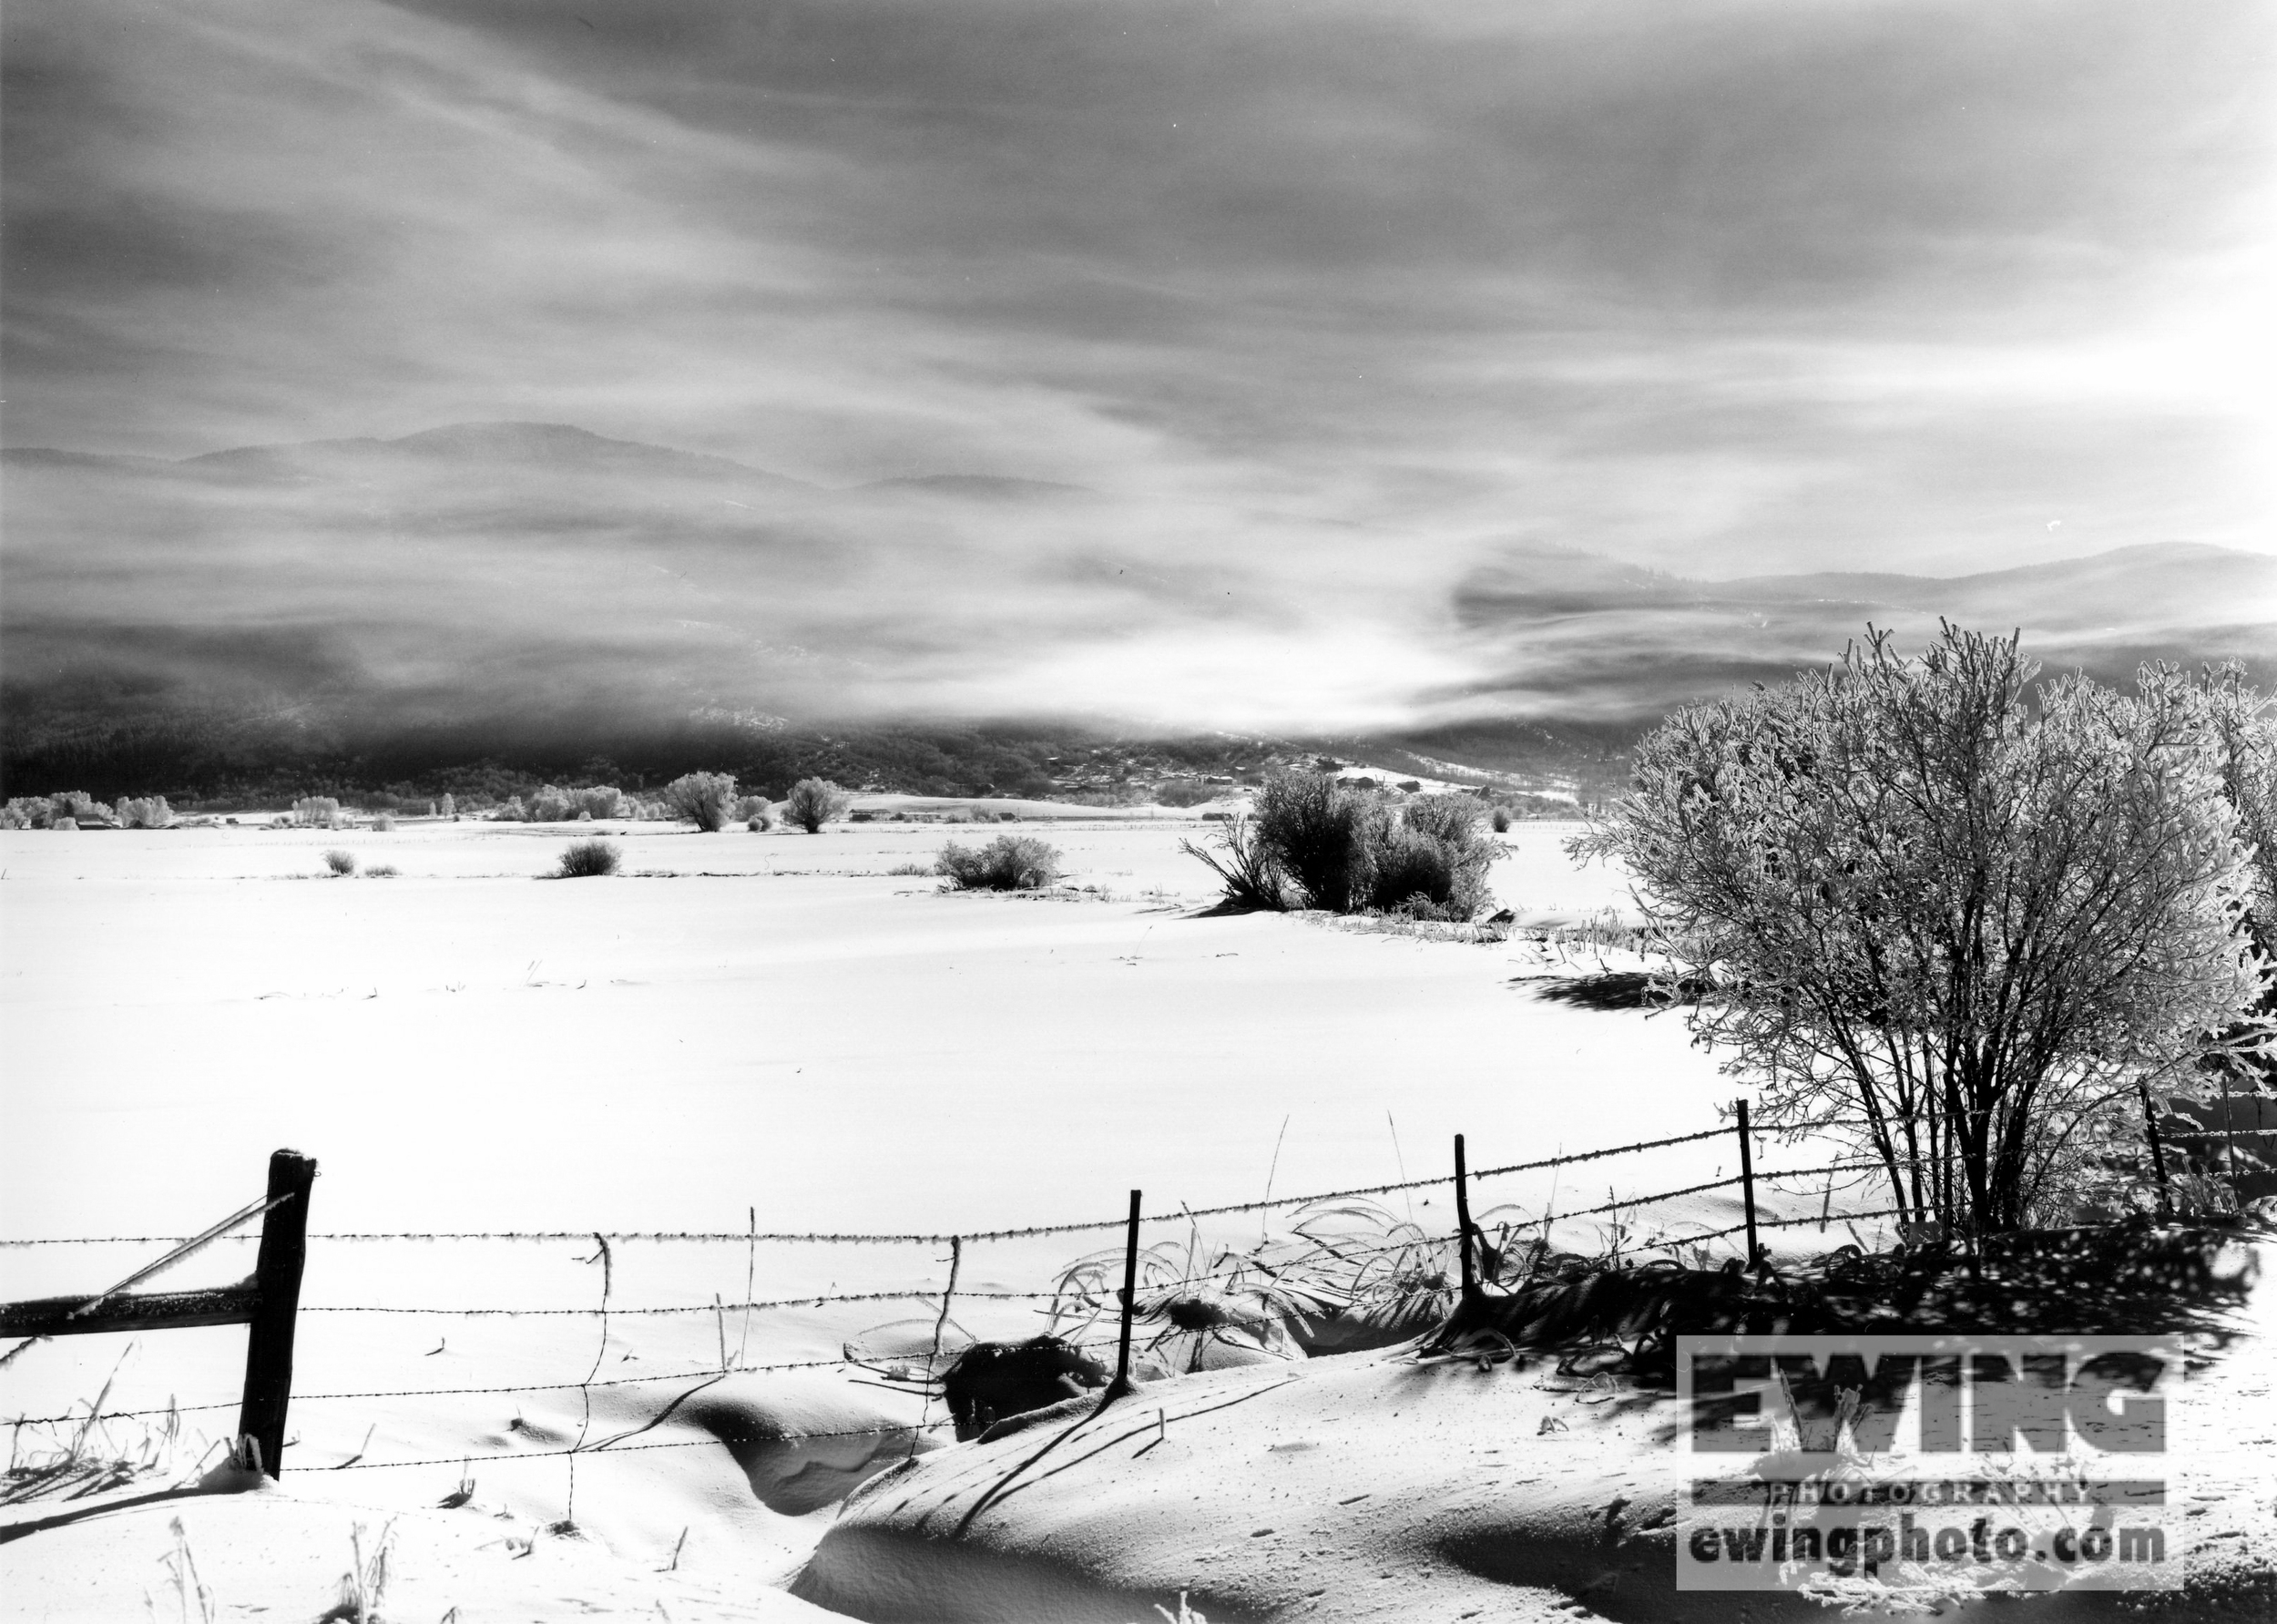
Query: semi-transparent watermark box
point(1928, 1466)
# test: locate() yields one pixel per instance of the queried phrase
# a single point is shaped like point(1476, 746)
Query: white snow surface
point(767, 1031)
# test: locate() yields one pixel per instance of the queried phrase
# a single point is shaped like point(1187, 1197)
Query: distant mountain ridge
point(484, 588)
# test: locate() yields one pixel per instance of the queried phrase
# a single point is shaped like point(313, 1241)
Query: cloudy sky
point(1726, 285)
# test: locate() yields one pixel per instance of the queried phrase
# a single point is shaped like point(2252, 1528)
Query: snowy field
point(741, 1030)
point(769, 1020)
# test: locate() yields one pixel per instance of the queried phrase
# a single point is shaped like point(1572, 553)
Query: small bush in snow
point(1316, 833)
point(341, 863)
point(587, 858)
point(1315, 842)
point(1008, 863)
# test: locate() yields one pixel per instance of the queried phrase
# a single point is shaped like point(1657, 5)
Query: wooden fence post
point(2229, 1144)
point(2158, 1153)
point(284, 1230)
point(1463, 1221)
point(1747, 1185)
point(1130, 1295)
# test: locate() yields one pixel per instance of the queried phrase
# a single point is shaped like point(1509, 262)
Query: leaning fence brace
point(268, 1303)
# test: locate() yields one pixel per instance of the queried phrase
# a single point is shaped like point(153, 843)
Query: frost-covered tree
point(703, 799)
point(1987, 934)
point(812, 802)
point(2246, 740)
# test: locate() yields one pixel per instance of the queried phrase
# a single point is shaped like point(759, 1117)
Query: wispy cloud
point(1731, 286)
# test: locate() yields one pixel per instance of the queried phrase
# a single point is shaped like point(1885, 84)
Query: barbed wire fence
point(939, 1301)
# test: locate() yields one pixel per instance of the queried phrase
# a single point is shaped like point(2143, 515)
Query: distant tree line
point(199, 763)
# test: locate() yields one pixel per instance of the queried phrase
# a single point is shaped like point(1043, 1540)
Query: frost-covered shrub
point(1502, 820)
point(385, 823)
point(341, 863)
point(1008, 863)
point(28, 812)
point(755, 812)
point(814, 801)
point(316, 812)
point(450, 805)
point(702, 799)
point(144, 813)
